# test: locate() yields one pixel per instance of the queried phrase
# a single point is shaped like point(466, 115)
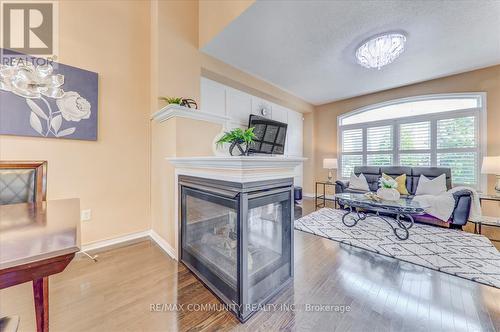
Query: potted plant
point(388, 189)
point(172, 100)
point(238, 138)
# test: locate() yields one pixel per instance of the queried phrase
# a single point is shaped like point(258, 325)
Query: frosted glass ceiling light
point(381, 50)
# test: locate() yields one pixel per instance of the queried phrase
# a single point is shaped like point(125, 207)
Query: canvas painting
point(48, 100)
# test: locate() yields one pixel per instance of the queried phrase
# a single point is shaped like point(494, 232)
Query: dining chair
point(22, 181)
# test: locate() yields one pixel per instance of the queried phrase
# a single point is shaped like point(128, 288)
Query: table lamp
point(491, 165)
point(330, 163)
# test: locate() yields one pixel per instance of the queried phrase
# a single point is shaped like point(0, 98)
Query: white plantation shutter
point(415, 136)
point(414, 140)
point(379, 138)
point(415, 159)
point(463, 166)
point(348, 163)
point(352, 144)
point(456, 148)
point(379, 160)
point(456, 133)
point(352, 140)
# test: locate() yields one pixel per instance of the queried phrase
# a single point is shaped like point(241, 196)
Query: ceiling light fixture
point(381, 50)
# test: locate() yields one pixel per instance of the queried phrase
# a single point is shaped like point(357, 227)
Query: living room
point(250, 165)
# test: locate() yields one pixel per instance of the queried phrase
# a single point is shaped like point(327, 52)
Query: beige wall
point(325, 118)
point(110, 175)
point(178, 71)
point(215, 15)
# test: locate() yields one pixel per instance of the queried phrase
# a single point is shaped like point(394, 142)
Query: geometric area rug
point(466, 255)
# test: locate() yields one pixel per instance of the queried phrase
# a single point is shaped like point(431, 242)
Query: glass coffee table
point(360, 206)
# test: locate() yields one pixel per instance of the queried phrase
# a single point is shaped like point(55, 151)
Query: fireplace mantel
point(239, 169)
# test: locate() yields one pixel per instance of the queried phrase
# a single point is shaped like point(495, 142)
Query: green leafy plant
point(388, 183)
point(172, 100)
point(238, 135)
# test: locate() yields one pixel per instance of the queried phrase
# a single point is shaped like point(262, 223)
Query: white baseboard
point(130, 237)
point(163, 244)
point(113, 241)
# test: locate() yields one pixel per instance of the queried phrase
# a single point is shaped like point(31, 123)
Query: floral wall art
point(48, 100)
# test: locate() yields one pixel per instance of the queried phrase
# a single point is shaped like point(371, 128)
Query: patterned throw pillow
point(401, 180)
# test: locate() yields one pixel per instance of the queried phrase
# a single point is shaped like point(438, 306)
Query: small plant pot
point(239, 148)
point(388, 194)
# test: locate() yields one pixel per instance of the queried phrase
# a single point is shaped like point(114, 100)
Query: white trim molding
point(116, 240)
point(236, 163)
point(169, 250)
point(149, 234)
point(172, 110)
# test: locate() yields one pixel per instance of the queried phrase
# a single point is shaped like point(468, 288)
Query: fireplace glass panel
point(269, 249)
point(211, 240)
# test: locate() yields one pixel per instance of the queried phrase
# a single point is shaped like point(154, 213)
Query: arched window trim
point(481, 126)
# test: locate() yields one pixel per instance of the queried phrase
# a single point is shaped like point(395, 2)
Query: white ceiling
point(307, 47)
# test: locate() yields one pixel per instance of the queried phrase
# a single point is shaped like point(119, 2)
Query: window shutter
point(379, 138)
point(415, 159)
point(352, 140)
point(463, 166)
point(348, 163)
point(456, 133)
point(415, 136)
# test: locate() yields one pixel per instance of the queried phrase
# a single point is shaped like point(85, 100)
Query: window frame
point(480, 114)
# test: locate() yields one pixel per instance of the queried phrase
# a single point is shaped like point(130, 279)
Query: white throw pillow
point(358, 183)
point(435, 186)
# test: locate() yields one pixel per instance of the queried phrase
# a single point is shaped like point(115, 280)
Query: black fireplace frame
point(241, 193)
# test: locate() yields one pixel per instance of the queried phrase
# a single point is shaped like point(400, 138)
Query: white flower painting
point(53, 112)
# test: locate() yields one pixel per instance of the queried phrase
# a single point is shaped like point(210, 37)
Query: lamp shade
point(491, 165)
point(330, 163)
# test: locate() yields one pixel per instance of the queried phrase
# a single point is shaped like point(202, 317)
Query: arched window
point(433, 130)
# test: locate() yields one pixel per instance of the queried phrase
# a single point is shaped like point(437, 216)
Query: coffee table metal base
point(400, 230)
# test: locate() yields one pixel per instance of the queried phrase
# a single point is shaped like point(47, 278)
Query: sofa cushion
point(371, 173)
point(400, 180)
point(435, 186)
point(395, 171)
point(358, 182)
point(430, 173)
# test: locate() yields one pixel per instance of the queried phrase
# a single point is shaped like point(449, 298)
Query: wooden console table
point(36, 241)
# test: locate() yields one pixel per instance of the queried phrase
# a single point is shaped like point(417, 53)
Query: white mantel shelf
point(172, 110)
point(244, 163)
point(238, 169)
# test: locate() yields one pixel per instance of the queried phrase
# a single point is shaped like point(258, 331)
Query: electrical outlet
point(86, 215)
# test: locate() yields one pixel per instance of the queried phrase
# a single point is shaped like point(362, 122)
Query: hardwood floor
point(116, 294)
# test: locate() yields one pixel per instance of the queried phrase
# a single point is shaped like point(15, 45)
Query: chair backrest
point(22, 181)
point(373, 174)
